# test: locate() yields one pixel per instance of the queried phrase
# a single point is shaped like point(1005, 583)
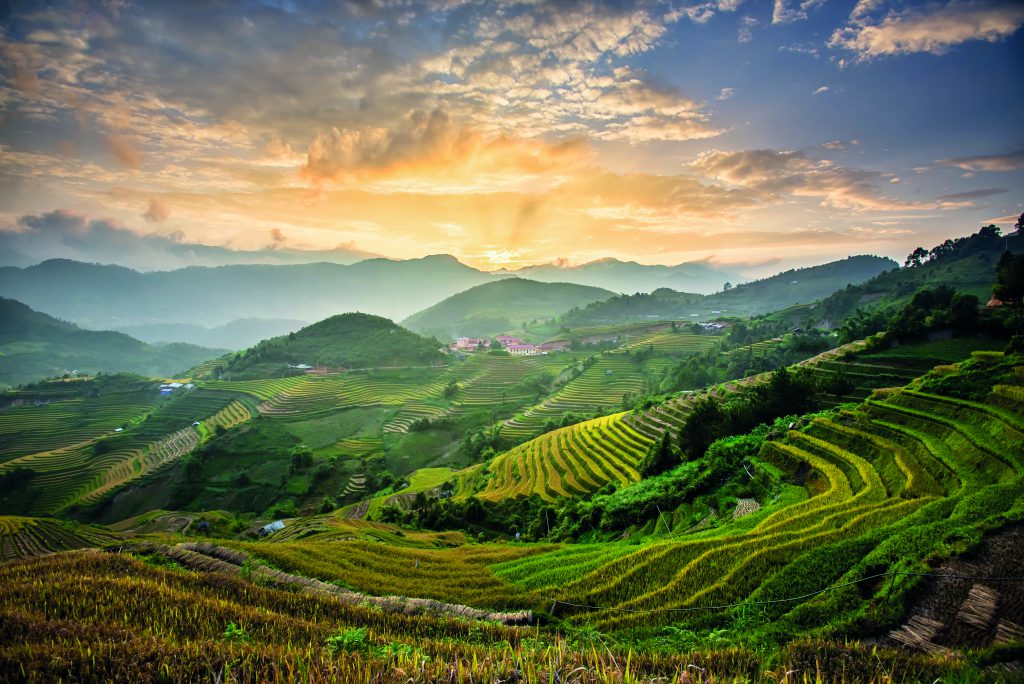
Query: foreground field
point(89, 616)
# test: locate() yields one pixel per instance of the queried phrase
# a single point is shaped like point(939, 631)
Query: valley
point(734, 494)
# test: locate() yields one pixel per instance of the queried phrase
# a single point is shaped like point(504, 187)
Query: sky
point(760, 133)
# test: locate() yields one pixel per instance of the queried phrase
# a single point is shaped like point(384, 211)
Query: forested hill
point(800, 285)
point(795, 286)
point(498, 307)
point(35, 346)
point(352, 340)
point(965, 264)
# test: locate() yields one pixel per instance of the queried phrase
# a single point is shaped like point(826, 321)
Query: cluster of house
point(168, 388)
point(513, 345)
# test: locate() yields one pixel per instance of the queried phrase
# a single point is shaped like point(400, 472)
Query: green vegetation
point(796, 286)
point(660, 502)
point(500, 306)
point(34, 346)
point(344, 341)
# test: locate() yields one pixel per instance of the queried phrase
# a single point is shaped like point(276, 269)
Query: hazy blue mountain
point(105, 297)
point(35, 346)
point(795, 286)
point(237, 334)
point(630, 277)
point(500, 306)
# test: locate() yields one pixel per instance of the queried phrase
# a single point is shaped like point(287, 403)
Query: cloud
point(431, 144)
point(1010, 161)
point(784, 12)
point(840, 145)
point(157, 212)
point(123, 150)
point(746, 30)
point(66, 234)
point(725, 93)
point(973, 194)
point(821, 91)
point(933, 28)
point(776, 174)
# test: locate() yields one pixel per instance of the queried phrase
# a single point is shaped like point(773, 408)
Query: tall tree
point(1009, 287)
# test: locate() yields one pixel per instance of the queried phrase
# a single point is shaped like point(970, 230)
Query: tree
point(661, 456)
point(302, 457)
point(963, 312)
point(727, 286)
point(915, 258)
point(706, 423)
point(1009, 287)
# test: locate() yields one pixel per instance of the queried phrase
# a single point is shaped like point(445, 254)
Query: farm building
point(522, 350)
point(470, 343)
point(507, 340)
point(270, 528)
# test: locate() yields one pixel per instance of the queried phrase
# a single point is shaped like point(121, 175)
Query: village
point(513, 345)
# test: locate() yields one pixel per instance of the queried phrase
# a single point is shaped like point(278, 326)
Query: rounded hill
point(350, 340)
point(501, 306)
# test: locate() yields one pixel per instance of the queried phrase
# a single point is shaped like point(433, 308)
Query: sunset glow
point(509, 133)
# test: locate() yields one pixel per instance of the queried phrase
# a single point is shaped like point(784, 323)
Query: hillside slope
point(801, 285)
point(497, 307)
point(34, 346)
point(352, 340)
point(966, 264)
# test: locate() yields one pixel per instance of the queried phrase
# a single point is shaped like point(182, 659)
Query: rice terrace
point(636, 342)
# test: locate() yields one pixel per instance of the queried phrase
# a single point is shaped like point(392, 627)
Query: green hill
point(799, 285)
point(785, 289)
point(34, 346)
point(965, 264)
point(501, 306)
point(352, 340)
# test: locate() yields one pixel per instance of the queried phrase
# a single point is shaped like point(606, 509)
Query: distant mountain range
point(35, 346)
point(796, 286)
point(239, 334)
point(498, 307)
point(630, 277)
point(106, 297)
point(205, 304)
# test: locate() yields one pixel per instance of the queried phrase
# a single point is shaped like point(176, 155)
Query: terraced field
point(673, 343)
point(359, 447)
point(412, 412)
point(317, 394)
point(599, 388)
point(31, 428)
point(22, 537)
point(261, 389)
point(571, 460)
point(586, 456)
point(486, 381)
point(228, 417)
point(864, 376)
point(362, 562)
point(899, 476)
point(94, 458)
